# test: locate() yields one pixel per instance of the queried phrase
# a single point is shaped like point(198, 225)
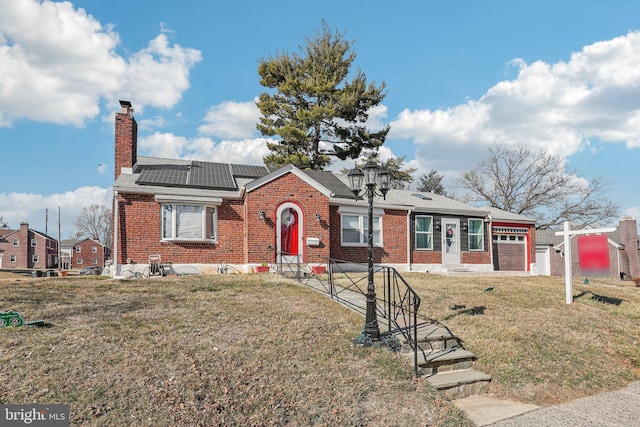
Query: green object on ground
point(10, 318)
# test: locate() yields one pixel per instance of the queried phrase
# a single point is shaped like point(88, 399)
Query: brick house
point(204, 214)
point(89, 253)
point(624, 255)
point(26, 248)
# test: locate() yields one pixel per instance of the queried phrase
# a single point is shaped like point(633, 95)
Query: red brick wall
point(394, 240)
point(139, 234)
point(475, 257)
point(260, 236)
point(87, 255)
point(24, 251)
point(126, 141)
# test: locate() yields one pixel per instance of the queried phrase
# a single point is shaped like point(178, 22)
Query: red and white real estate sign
point(593, 254)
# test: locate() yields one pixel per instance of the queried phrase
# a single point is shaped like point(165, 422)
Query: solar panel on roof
point(170, 175)
point(249, 171)
point(211, 175)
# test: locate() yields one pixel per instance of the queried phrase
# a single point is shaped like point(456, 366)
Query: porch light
point(355, 176)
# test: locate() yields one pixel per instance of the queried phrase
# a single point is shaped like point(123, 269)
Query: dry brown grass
point(208, 350)
point(537, 348)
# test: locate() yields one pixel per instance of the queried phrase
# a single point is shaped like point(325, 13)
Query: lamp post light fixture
point(365, 182)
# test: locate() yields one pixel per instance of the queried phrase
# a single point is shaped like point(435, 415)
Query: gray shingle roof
point(331, 182)
point(430, 202)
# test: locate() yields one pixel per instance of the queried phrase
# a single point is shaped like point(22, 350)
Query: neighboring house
point(207, 214)
point(89, 253)
point(66, 252)
point(624, 256)
point(27, 248)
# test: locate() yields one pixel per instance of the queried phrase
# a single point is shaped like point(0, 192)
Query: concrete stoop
point(461, 383)
point(446, 364)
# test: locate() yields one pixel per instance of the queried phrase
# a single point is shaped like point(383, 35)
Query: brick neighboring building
point(26, 248)
point(89, 253)
point(204, 214)
point(624, 254)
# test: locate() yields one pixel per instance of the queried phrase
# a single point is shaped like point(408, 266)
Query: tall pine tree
point(317, 113)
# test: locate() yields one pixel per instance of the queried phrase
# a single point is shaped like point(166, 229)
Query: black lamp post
point(373, 176)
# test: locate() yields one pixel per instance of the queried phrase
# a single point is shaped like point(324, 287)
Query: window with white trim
point(78, 249)
point(34, 243)
point(94, 261)
point(94, 249)
point(354, 230)
point(16, 242)
point(188, 222)
point(35, 258)
point(79, 261)
point(12, 258)
point(424, 232)
point(476, 235)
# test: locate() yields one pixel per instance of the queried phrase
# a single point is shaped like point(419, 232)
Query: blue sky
point(460, 77)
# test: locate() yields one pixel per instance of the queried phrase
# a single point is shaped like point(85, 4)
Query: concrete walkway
point(612, 409)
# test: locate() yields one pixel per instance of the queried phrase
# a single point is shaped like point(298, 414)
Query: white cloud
point(68, 61)
point(231, 120)
point(102, 168)
point(560, 108)
point(32, 208)
point(167, 145)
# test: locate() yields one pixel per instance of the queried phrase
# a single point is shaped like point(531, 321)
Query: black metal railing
point(346, 282)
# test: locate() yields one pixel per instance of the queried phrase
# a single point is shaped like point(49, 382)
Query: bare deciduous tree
point(95, 222)
point(536, 184)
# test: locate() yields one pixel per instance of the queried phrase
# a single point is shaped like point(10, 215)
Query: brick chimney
point(628, 230)
point(126, 138)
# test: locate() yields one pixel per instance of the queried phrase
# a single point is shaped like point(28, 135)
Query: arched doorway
point(289, 232)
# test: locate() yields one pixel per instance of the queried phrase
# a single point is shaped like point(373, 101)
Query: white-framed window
point(35, 258)
point(34, 243)
point(476, 235)
point(188, 222)
point(12, 258)
point(78, 249)
point(424, 232)
point(354, 230)
point(94, 261)
point(16, 242)
point(94, 249)
point(79, 261)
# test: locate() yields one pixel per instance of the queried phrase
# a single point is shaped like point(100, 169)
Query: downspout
point(409, 240)
point(490, 242)
point(114, 270)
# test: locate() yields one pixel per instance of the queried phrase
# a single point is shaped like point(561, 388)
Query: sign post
point(567, 233)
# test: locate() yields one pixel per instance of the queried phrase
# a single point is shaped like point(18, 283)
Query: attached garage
point(510, 248)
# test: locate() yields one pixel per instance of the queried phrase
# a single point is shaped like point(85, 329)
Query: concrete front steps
point(444, 362)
